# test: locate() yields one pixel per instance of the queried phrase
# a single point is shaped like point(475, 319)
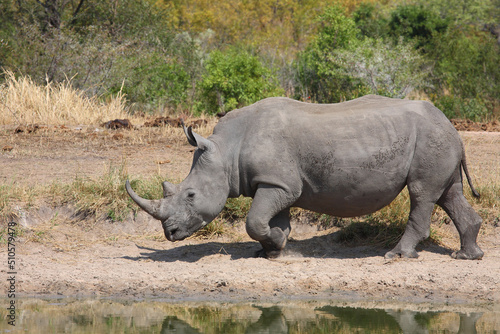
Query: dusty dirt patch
point(132, 259)
point(468, 125)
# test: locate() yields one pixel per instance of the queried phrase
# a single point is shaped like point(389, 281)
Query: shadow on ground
point(323, 246)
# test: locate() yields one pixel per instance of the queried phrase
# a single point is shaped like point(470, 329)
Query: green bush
point(318, 75)
point(157, 84)
point(468, 64)
point(416, 23)
point(139, 46)
point(458, 107)
point(370, 22)
point(235, 78)
point(383, 68)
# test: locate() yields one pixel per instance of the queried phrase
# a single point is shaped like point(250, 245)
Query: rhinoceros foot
point(474, 254)
point(273, 245)
point(403, 254)
point(268, 254)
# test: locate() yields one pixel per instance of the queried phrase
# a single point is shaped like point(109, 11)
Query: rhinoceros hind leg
point(417, 228)
point(466, 220)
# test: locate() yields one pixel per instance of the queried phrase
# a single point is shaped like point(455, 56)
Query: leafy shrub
point(458, 107)
point(157, 84)
point(416, 23)
point(140, 46)
point(318, 77)
point(369, 21)
point(467, 64)
point(234, 79)
point(385, 69)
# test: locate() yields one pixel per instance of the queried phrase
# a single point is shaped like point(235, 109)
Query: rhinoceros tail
point(466, 171)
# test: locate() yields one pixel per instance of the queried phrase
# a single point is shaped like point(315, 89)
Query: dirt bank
point(315, 266)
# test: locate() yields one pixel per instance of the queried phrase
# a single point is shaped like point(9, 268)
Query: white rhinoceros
point(346, 159)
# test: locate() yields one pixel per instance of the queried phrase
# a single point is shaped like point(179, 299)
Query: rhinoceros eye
point(191, 194)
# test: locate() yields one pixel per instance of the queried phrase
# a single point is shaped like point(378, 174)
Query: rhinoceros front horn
point(153, 207)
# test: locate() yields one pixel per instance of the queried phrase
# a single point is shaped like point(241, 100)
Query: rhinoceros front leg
point(279, 231)
point(268, 220)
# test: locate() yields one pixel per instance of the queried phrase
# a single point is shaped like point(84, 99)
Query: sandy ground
point(74, 257)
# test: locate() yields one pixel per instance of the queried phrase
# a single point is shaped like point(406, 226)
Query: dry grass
point(16, 199)
point(24, 102)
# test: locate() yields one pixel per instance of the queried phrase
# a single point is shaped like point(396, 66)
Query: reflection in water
point(174, 325)
point(107, 316)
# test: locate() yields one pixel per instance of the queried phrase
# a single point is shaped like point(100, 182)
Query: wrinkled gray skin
point(346, 159)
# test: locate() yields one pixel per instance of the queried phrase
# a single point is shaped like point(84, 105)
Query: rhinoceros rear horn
point(168, 189)
point(153, 207)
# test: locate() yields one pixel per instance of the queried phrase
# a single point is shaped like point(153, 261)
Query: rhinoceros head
point(197, 200)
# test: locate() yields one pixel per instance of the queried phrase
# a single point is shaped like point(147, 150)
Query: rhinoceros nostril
point(169, 233)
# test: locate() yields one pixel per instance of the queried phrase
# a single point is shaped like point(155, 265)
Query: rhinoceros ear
point(197, 140)
point(188, 133)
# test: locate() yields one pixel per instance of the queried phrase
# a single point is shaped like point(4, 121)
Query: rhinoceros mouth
point(173, 232)
point(175, 235)
point(170, 230)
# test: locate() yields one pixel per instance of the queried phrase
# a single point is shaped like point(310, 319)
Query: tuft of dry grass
point(24, 102)
point(103, 197)
point(14, 198)
point(215, 228)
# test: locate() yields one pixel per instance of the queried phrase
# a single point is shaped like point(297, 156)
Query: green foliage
point(7, 29)
point(458, 107)
point(337, 30)
point(475, 13)
point(156, 84)
point(467, 64)
point(416, 23)
point(94, 45)
point(319, 77)
point(235, 78)
point(385, 69)
point(369, 21)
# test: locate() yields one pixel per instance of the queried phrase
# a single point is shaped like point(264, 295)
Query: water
point(110, 316)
